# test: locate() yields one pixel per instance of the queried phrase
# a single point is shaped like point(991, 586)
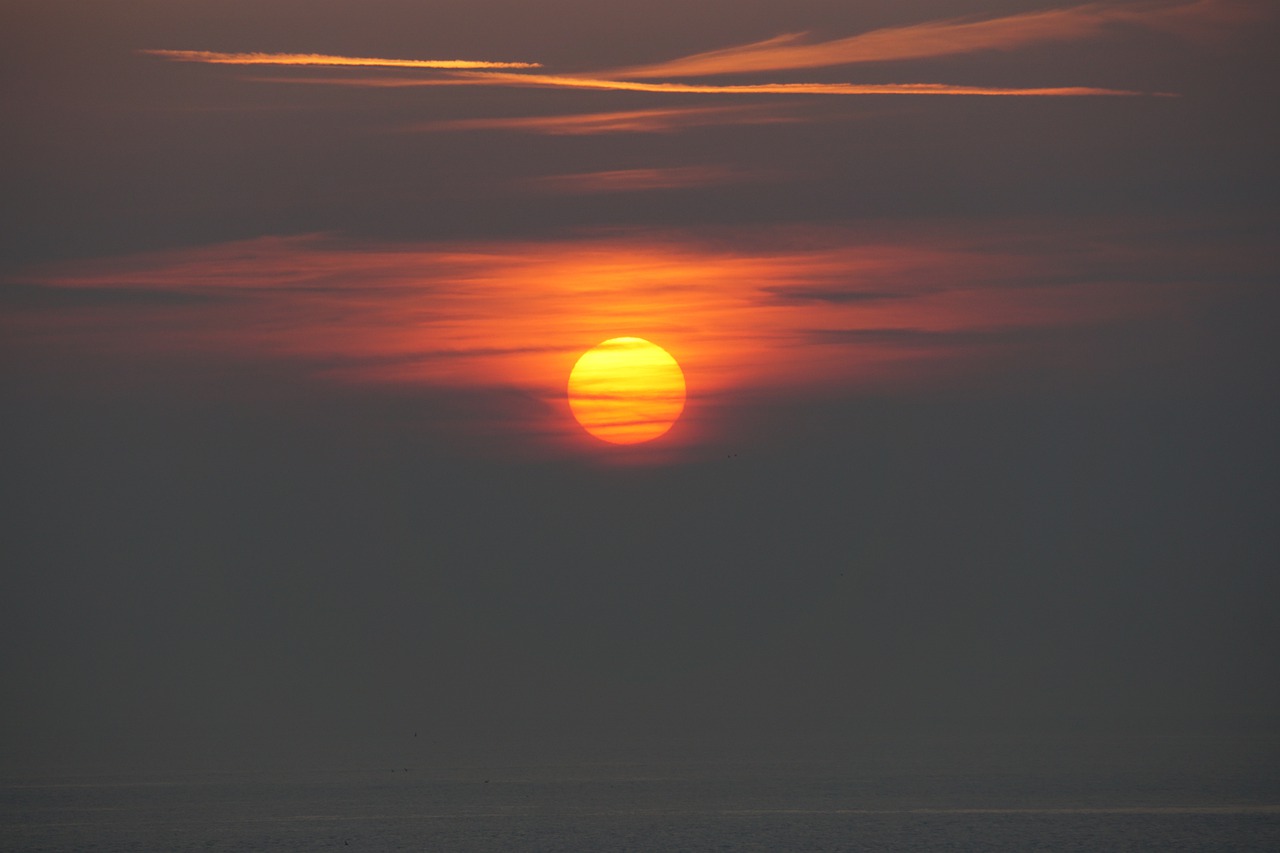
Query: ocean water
point(640, 808)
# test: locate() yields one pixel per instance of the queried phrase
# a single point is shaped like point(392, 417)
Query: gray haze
point(221, 559)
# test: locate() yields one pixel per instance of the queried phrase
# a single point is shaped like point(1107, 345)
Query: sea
point(810, 806)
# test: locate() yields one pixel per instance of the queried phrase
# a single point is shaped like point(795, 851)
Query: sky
point(974, 304)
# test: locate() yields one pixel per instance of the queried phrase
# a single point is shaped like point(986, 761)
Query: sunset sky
point(973, 304)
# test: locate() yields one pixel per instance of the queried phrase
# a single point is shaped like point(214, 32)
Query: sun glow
point(626, 391)
point(756, 314)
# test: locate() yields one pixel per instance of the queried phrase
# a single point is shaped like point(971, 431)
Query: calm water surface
point(640, 808)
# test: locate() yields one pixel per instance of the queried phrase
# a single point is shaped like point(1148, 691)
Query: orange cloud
point(552, 81)
point(745, 312)
point(942, 38)
point(556, 81)
point(364, 82)
point(629, 121)
point(215, 58)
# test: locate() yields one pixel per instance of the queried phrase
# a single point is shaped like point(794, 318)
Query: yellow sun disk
point(626, 390)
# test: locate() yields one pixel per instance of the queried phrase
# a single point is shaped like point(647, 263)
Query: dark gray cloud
point(926, 337)
point(328, 571)
point(29, 296)
point(836, 296)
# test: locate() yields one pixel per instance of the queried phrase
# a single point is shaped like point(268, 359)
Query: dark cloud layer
point(325, 576)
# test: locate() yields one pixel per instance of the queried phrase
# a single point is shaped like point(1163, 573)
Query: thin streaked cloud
point(635, 180)
point(940, 38)
point(553, 81)
point(324, 60)
point(743, 307)
point(626, 121)
point(831, 295)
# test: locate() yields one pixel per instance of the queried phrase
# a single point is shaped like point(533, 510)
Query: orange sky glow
point(779, 311)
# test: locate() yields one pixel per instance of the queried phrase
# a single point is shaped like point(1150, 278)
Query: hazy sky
point(974, 303)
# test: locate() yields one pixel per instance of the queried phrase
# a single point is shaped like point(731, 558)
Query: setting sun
point(626, 391)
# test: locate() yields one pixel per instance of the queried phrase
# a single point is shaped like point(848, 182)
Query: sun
point(626, 391)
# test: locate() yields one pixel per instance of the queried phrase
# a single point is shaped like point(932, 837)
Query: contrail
point(498, 78)
point(212, 57)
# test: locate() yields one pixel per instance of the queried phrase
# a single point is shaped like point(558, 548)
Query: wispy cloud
point(317, 295)
point(363, 82)
point(553, 81)
point(941, 38)
point(787, 52)
point(34, 296)
point(911, 338)
point(557, 81)
point(630, 121)
point(742, 309)
point(635, 180)
point(318, 59)
point(785, 295)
